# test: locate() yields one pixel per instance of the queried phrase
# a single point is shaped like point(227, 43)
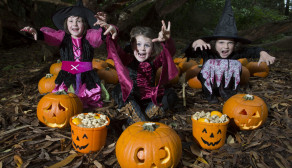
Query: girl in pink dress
point(79, 33)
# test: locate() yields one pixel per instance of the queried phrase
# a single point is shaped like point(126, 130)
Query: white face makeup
point(143, 48)
point(224, 47)
point(75, 26)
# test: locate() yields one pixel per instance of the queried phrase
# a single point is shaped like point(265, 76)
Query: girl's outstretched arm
point(101, 21)
point(31, 31)
point(265, 57)
point(201, 44)
point(164, 34)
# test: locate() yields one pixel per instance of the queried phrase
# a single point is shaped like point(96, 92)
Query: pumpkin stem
point(49, 75)
point(61, 92)
point(248, 97)
point(150, 126)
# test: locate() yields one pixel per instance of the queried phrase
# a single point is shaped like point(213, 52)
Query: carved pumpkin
point(47, 83)
point(171, 82)
point(248, 112)
point(55, 109)
point(261, 70)
point(244, 77)
point(109, 75)
point(145, 144)
point(99, 64)
point(209, 135)
point(87, 140)
point(55, 68)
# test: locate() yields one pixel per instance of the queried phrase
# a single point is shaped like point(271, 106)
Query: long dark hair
point(85, 24)
point(146, 32)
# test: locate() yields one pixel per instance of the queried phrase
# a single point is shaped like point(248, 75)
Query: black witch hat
point(226, 28)
point(78, 10)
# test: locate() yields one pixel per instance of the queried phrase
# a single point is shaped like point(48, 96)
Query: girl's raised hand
point(201, 44)
point(267, 58)
point(164, 34)
point(31, 31)
point(101, 21)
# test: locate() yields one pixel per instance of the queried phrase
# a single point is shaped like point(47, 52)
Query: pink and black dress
point(76, 56)
point(221, 77)
point(137, 79)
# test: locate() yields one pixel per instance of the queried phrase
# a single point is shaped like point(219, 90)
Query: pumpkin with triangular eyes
point(248, 112)
point(148, 144)
point(209, 135)
point(55, 109)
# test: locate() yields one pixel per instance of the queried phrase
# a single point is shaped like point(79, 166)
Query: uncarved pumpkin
point(87, 140)
point(55, 109)
point(186, 65)
point(243, 61)
point(55, 68)
point(47, 84)
point(98, 64)
point(110, 63)
point(261, 70)
point(145, 144)
point(192, 77)
point(248, 112)
point(171, 82)
point(109, 75)
point(179, 60)
point(244, 77)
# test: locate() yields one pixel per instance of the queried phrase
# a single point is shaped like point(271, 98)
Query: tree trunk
point(0, 32)
point(287, 7)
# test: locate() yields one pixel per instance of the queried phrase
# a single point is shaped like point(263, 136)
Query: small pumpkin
point(47, 84)
point(184, 66)
point(147, 144)
point(98, 64)
point(209, 135)
point(243, 61)
point(179, 60)
point(191, 77)
point(109, 75)
point(110, 63)
point(55, 109)
point(244, 77)
point(171, 82)
point(248, 112)
point(87, 140)
point(261, 70)
point(55, 68)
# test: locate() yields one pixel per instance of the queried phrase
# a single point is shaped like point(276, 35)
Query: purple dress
point(76, 56)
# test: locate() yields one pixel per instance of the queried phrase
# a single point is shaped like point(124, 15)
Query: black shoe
point(212, 99)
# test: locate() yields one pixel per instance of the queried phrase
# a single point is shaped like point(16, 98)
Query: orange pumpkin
point(55, 68)
point(191, 77)
point(209, 135)
point(109, 75)
point(55, 109)
point(171, 82)
point(248, 112)
point(98, 64)
point(244, 77)
point(110, 63)
point(184, 66)
point(47, 84)
point(261, 70)
point(201, 61)
point(243, 61)
point(145, 144)
point(87, 140)
point(179, 60)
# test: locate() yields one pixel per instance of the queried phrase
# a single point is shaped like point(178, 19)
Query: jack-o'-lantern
point(248, 112)
point(47, 83)
point(148, 144)
point(55, 109)
point(209, 135)
point(87, 140)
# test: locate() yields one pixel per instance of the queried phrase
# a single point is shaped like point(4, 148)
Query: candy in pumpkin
point(148, 144)
point(55, 109)
point(210, 135)
point(248, 112)
point(87, 140)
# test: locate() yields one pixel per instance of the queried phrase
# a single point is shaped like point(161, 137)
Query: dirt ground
point(24, 139)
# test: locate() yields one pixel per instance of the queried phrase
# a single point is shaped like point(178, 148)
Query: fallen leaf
point(64, 162)
point(97, 164)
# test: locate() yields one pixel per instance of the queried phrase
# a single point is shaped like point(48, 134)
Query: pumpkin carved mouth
point(80, 147)
point(54, 125)
point(211, 143)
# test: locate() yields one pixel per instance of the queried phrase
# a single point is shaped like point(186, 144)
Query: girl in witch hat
point(137, 91)
point(220, 74)
point(79, 33)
